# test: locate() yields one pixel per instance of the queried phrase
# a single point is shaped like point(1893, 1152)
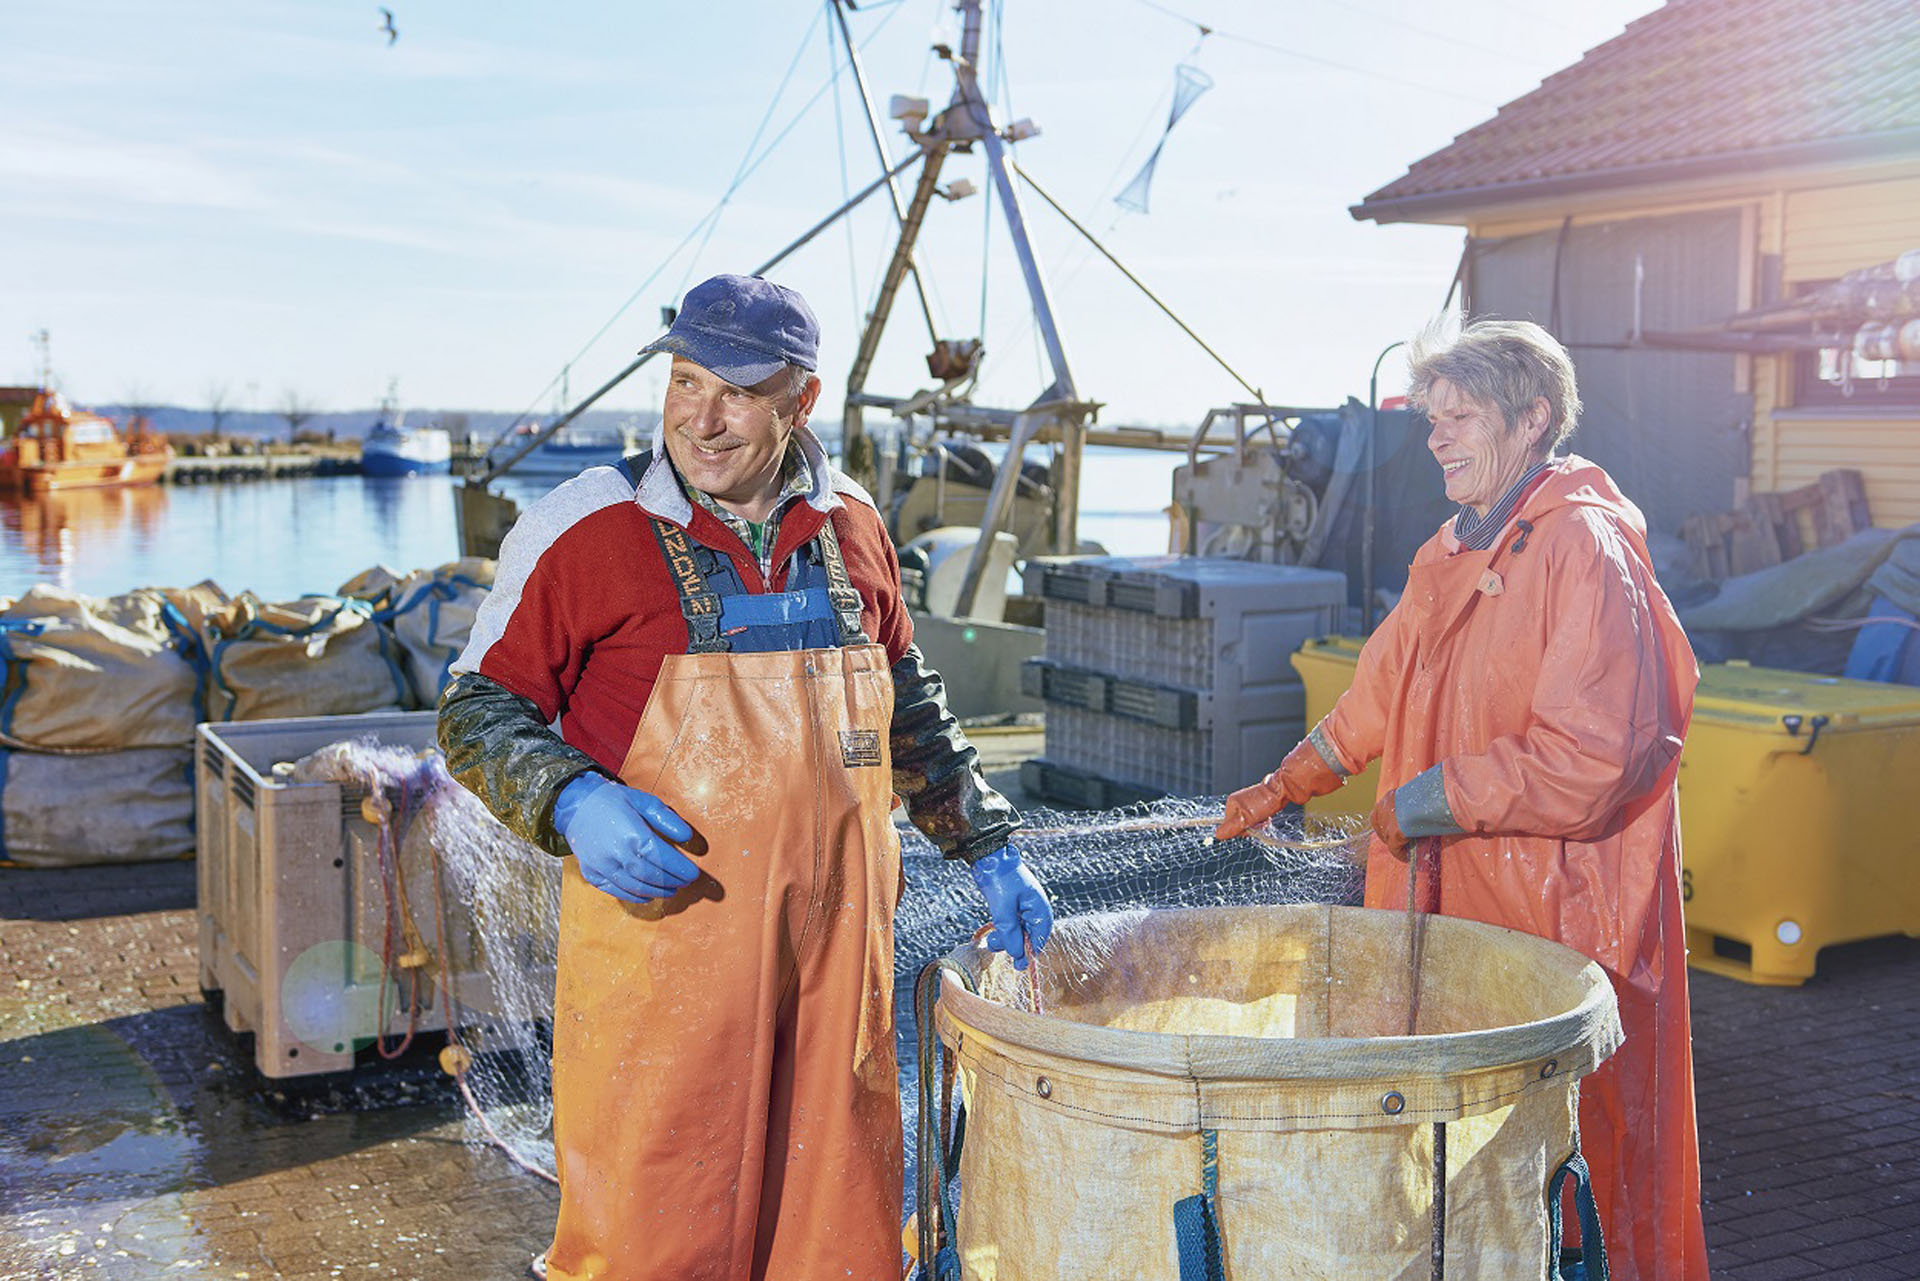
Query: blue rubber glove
point(620, 836)
point(1022, 917)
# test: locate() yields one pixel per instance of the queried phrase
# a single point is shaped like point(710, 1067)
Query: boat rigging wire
point(1137, 282)
point(493, 473)
point(880, 150)
point(846, 180)
point(1283, 50)
point(747, 171)
point(1426, 32)
point(740, 174)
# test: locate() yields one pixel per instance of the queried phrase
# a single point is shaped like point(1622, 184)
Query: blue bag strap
point(187, 643)
point(1196, 1219)
point(258, 626)
point(16, 667)
point(939, 1251)
point(432, 594)
point(1593, 1247)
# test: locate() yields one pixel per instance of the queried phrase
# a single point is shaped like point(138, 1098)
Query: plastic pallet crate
point(1201, 623)
point(1166, 705)
point(292, 910)
point(1064, 785)
point(1176, 762)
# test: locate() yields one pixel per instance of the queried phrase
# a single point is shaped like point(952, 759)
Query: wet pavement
point(136, 1140)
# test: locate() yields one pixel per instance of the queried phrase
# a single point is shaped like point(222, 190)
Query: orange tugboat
point(58, 447)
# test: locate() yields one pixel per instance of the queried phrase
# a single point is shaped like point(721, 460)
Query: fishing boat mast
point(1058, 414)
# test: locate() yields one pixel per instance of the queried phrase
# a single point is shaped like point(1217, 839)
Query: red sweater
point(583, 609)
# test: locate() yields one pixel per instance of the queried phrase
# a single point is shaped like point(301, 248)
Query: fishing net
point(503, 895)
point(1189, 82)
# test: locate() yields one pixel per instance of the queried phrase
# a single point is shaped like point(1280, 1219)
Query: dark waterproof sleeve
point(937, 772)
point(499, 748)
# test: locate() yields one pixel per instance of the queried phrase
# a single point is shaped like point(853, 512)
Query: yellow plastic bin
point(1799, 810)
point(1326, 669)
point(1800, 818)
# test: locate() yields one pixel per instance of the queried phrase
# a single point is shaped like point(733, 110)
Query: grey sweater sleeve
point(937, 772)
point(499, 748)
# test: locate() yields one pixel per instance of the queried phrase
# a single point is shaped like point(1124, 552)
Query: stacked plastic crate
point(1168, 675)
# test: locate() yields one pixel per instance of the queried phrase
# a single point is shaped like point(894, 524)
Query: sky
point(248, 202)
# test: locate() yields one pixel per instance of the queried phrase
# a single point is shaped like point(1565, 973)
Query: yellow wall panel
point(1885, 451)
point(1831, 230)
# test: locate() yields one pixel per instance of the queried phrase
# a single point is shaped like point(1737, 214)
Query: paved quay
point(136, 1142)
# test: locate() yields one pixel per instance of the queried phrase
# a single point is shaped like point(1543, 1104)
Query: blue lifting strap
point(1196, 1219)
point(1589, 1262)
point(1197, 1238)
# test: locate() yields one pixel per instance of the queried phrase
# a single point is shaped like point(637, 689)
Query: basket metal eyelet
point(1393, 1103)
point(1043, 1087)
point(1548, 1068)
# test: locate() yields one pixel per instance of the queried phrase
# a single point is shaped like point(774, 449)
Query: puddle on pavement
point(112, 1133)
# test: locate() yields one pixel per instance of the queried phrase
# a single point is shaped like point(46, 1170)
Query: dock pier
point(203, 469)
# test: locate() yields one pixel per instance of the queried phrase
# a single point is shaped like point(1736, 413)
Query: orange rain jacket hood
point(1551, 681)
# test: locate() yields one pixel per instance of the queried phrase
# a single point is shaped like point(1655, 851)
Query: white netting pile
point(504, 895)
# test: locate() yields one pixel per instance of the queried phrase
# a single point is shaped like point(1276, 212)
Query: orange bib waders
point(726, 1101)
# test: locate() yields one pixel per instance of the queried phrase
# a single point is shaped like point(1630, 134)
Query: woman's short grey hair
point(1504, 363)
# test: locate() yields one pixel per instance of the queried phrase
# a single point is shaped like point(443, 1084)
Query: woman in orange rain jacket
point(1527, 700)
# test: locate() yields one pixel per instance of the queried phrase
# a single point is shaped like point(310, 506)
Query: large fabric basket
point(1255, 1057)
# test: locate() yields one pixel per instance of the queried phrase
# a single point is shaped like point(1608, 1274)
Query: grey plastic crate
point(1063, 785)
point(1170, 706)
point(1201, 623)
point(1172, 672)
point(291, 900)
point(1179, 762)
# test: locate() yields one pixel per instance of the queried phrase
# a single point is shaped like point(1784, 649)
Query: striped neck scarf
point(1477, 533)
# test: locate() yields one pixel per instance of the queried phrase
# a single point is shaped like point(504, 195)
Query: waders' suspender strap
point(698, 603)
point(1196, 1219)
point(840, 590)
point(1589, 1262)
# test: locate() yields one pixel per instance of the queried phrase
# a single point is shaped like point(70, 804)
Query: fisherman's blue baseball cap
point(746, 329)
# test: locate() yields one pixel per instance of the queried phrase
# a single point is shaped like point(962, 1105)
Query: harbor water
point(285, 538)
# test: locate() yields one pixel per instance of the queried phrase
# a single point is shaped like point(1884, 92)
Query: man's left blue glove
point(1022, 917)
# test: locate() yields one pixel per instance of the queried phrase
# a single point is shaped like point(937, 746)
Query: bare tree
point(137, 400)
point(297, 410)
point(219, 404)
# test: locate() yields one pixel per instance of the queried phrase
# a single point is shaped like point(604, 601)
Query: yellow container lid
point(1737, 692)
point(1341, 647)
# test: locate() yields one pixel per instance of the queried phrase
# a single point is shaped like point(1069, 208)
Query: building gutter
point(1443, 206)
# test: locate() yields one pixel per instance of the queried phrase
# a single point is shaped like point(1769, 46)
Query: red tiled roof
point(1695, 84)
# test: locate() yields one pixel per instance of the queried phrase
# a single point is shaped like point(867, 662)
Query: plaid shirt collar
point(796, 483)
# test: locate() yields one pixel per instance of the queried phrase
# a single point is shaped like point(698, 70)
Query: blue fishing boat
point(392, 449)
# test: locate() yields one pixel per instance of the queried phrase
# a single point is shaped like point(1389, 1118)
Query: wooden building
point(14, 403)
point(1717, 159)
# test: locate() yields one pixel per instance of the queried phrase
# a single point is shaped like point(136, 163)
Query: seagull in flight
point(386, 25)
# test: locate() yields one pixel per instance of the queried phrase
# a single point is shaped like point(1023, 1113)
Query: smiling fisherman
point(718, 632)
